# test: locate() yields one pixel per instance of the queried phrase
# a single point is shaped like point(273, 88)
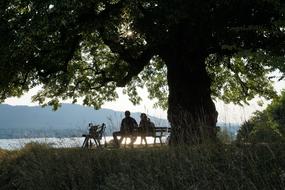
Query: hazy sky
point(228, 113)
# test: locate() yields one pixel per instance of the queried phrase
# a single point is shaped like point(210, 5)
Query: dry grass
point(197, 167)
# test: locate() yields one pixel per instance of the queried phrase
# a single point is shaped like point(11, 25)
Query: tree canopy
point(73, 49)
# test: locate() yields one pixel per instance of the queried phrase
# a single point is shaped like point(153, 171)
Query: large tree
point(184, 51)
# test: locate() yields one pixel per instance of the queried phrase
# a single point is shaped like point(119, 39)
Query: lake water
point(13, 144)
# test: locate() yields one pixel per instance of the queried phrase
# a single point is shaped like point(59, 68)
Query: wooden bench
point(96, 133)
point(158, 133)
point(161, 132)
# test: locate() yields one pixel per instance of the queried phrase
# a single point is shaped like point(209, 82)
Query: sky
point(228, 113)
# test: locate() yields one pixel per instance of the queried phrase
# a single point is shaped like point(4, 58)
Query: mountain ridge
point(68, 120)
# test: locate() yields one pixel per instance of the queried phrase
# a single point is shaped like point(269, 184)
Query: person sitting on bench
point(146, 127)
point(127, 129)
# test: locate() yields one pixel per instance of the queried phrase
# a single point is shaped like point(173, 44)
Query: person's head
point(127, 113)
point(143, 117)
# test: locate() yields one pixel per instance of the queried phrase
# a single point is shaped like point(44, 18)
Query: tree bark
point(191, 113)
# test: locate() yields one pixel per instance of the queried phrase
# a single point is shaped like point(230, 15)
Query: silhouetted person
point(128, 128)
point(146, 127)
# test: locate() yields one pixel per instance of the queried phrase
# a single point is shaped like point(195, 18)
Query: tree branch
point(243, 84)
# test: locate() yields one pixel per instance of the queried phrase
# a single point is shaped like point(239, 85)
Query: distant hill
point(69, 120)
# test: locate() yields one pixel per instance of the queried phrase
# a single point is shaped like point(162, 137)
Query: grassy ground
point(196, 167)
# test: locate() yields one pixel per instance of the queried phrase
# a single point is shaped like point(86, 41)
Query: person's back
point(128, 125)
point(151, 126)
point(146, 127)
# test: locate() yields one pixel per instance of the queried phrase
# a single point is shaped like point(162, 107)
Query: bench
point(161, 132)
point(96, 133)
point(158, 133)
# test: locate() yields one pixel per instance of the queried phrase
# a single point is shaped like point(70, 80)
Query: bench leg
point(85, 143)
point(133, 139)
point(90, 144)
point(144, 138)
point(116, 140)
point(124, 138)
point(96, 142)
point(99, 143)
point(154, 142)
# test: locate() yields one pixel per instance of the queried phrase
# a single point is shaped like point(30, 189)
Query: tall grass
point(197, 167)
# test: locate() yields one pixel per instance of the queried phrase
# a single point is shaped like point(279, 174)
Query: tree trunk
point(191, 112)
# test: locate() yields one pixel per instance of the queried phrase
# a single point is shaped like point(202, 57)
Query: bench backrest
point(162, 129)
point(97, 131)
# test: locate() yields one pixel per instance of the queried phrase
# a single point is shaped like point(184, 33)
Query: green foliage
point(241, 78)
point(266, 134)
point(77, 49)
point(265, 126)
point(277, 111)
point(201, 167)
point(245, 131)
point(155, 81)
